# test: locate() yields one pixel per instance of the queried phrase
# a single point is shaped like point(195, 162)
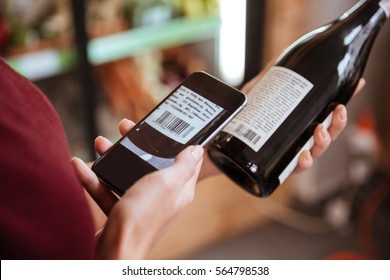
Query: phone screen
point(176, 121)
point(191, 115)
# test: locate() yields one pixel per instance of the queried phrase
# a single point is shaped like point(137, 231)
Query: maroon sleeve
point(43, 210)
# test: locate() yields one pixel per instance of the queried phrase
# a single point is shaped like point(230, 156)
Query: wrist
point(120, 239)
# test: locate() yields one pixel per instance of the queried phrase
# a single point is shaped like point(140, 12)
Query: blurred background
point(99, 61)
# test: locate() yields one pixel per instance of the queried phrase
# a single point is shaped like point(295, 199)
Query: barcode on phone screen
point(248, 134)
point(174, 124)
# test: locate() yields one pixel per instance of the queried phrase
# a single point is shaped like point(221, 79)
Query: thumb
point(171, 180)
point(187, 163)
point(102, 196)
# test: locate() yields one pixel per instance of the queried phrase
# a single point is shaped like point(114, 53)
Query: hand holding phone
point(192, 114)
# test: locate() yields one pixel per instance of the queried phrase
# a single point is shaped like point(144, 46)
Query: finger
point(186, 164)
point(102, 145)
point(339, 121)
point(172, 179)
point(102, 196)
point(187, 159)
point(322, 141)
point(187, 193)
point(173, 186)
point(305, 161)
point(323, 138)
point(360, 86)
point(125, 125)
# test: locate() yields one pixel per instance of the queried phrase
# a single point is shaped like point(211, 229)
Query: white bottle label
point(270, 102)
point(183, 115)
point(385, 4)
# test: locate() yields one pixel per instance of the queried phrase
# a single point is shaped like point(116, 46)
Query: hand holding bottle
point(262, 146)
point(323, 137)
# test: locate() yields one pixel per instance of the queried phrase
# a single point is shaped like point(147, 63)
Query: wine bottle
point(260, 147)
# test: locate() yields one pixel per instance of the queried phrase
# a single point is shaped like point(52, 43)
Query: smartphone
point(192, 114)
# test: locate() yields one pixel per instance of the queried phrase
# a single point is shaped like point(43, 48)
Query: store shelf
point(129, 43)
point(51, 62)
point(43, 64)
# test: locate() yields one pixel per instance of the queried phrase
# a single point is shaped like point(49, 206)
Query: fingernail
point(76, 160)
point(342, 113)
point(98, 137)
point(82, 170)
point(324, 133)
point(197, 152)
point(123, 120)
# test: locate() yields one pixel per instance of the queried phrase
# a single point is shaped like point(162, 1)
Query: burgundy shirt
point(43, 210)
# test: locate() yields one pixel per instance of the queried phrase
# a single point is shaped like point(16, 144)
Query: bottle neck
point(365, 18)
point(363, 24)
point(367, 8)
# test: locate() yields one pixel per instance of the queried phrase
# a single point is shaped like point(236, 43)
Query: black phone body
point(192, 114)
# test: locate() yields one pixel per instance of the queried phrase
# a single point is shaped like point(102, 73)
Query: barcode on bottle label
point(270, 102)
point(248, 134)
point(182, 115)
